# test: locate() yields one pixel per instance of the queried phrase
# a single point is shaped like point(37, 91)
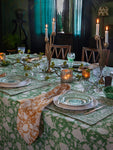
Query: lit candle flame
point(97, 21)
point(46, 25)
point(53, 19)
point(106, 28)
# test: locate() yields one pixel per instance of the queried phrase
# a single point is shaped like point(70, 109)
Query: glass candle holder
point(66, 75)
point(86, 73)
point(2, 56)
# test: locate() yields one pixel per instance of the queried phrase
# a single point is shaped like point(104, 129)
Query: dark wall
point(0, 23)
point(8, 9)
point(36, 43)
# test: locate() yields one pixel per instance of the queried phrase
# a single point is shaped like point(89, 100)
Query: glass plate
point(91, 105)
point(75, 99)
point(14, 81)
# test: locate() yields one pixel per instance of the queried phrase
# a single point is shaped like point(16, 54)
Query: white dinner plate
point(93, 104)
point(14, 81)
point(73, 98)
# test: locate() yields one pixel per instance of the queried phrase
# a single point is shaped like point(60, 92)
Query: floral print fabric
point(29, 113)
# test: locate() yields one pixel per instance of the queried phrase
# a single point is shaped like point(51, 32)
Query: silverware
point(89, 112)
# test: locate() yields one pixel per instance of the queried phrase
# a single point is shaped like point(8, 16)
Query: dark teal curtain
point(44, 12)
point(77, 17)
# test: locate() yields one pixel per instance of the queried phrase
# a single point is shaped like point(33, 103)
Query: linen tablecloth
point(60, 131)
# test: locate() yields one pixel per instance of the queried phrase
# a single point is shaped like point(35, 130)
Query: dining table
point(62, 127)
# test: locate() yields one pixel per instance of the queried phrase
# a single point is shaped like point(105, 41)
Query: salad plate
point(73, 98)
point(14, 81)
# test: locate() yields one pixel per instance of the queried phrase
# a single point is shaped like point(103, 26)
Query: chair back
point(92, 55)
point(60, 51)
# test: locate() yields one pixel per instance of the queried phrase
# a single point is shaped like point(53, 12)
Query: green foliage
point(64, 63)
point(5, 63)
point(78, 77)
point(10, 41)
point(47, 77)
point(28, 51)
point(52, 65)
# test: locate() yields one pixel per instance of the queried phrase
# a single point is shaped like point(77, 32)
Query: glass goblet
point(70, 57)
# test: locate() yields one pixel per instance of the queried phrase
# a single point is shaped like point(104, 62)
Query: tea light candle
point(66, 75)
point(86, 73)
point(2, 56)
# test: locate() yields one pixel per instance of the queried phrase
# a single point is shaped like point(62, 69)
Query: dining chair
point(60, 51)
point(92, 55)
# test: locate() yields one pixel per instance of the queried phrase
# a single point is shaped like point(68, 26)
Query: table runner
point(28, 119)
point(89, 119)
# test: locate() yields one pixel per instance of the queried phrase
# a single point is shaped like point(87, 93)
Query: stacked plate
point(14, 81)
point(73, 100)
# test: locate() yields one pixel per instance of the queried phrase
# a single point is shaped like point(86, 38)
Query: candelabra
point(49, 43)
point(103, 53)
point(98, 38)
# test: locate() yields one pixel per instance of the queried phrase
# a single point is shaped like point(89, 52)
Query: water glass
point(70, 57)
point(21, 50)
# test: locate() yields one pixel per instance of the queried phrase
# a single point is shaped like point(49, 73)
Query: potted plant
point(10, 42)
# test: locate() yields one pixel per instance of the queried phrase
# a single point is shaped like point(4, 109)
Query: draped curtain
point(77, 17)
point(44, 12)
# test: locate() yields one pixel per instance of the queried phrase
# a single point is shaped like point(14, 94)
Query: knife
point(89, 112)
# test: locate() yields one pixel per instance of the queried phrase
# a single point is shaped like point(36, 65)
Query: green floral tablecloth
point(61, 132)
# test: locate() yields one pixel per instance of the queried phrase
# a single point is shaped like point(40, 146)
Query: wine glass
point(21, 51)
point(70, 57)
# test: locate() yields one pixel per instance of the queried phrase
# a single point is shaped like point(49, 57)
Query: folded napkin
point(35, 59)
point(93, 66)
point(29, 113)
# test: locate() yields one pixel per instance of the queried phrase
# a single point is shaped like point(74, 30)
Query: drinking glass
point(70, 57)
point(21, 50)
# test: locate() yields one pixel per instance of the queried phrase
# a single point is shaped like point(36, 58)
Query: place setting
point(77, 101)
point(14, 82)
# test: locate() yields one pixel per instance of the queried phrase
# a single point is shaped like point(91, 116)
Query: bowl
point(108, 91)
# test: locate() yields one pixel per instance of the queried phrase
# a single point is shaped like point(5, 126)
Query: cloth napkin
point(35, 59)
point(93, 66)
point(29, 113)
